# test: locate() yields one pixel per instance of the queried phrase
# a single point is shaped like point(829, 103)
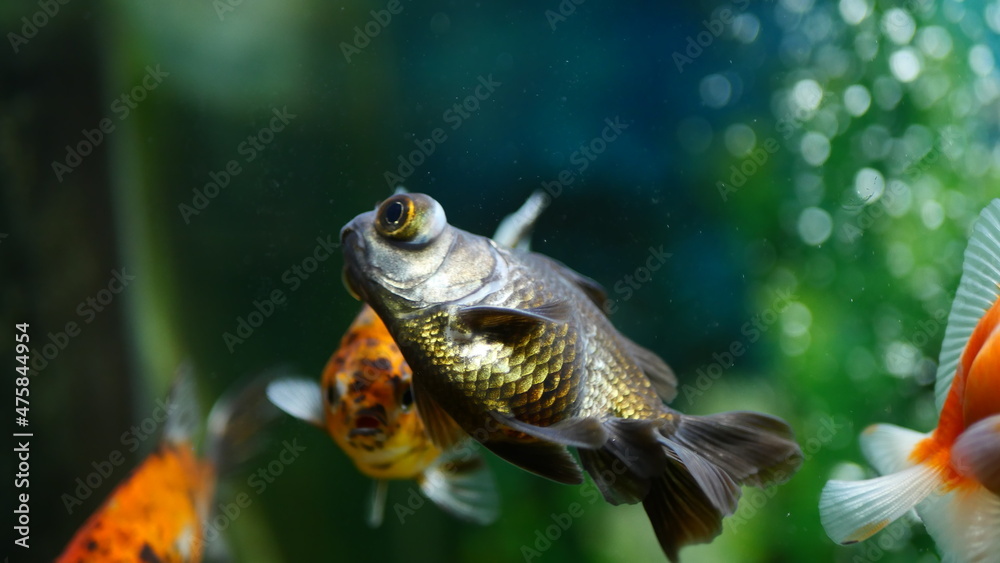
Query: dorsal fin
point(515, 229)
point(659, 373)
point(976, 293)
point(593, 290)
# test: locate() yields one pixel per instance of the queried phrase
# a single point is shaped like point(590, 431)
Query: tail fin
point(964, 523)
point(236, 421)
point(853, 511)
point(693, 480)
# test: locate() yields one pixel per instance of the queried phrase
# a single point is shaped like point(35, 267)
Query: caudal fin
point(853, 511)
point(965, 524)
point(693, 479)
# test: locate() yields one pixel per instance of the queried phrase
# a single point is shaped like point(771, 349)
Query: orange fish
point(365, 403)
point(952, 474)
point(157, 514)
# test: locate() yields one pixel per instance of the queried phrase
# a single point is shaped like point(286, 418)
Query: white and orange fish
point(952, 474)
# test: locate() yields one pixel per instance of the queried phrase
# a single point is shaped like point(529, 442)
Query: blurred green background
point(833, 152)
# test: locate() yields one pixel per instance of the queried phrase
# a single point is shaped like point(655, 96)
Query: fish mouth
point(368, 422)
point(352, 244)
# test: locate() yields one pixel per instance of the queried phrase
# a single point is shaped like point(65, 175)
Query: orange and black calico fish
point(952, 474)
point(365, 402)
point(514, 349)
point(159, 512)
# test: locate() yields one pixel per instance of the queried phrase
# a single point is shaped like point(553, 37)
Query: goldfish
point(160, 510)
point(365, 403)
point(951, 475)
point(514, 349)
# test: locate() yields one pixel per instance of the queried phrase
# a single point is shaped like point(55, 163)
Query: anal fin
point(541, 458)
point(578, 432)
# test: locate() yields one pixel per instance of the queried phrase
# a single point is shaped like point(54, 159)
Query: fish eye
point(407, 400)
point(331, 394)
point(410, 218)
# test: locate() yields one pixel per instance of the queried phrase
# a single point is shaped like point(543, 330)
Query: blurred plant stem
point(152, 316)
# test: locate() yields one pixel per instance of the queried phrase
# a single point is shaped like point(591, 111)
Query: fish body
point(158, 513)
point(951, 475)
point(513, 348)
point(154, 515)
point(365, 402)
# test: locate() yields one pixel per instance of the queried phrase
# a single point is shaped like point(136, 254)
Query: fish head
point(366, 389)
point(404, 256)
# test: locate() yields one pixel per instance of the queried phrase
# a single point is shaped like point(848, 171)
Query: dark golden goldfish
point(513, 348)
point(160, 511)
point(951, 475)
point(365, 403)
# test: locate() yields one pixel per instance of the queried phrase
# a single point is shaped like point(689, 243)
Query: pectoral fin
point(463, 487)
point(977, 453)
point(299, 397)
point(442, 429)
point(510, 324)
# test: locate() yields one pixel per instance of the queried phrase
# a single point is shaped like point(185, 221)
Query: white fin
point(977, 290)
point(965, 525)
point(376, 503)
point(853, 511)
point(515, 229)
point(976, 453)
point(183, 417)
point(463, 488)
point(299, 397)
point(887, 447)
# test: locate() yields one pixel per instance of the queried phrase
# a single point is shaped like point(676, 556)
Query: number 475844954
point(21, 391)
